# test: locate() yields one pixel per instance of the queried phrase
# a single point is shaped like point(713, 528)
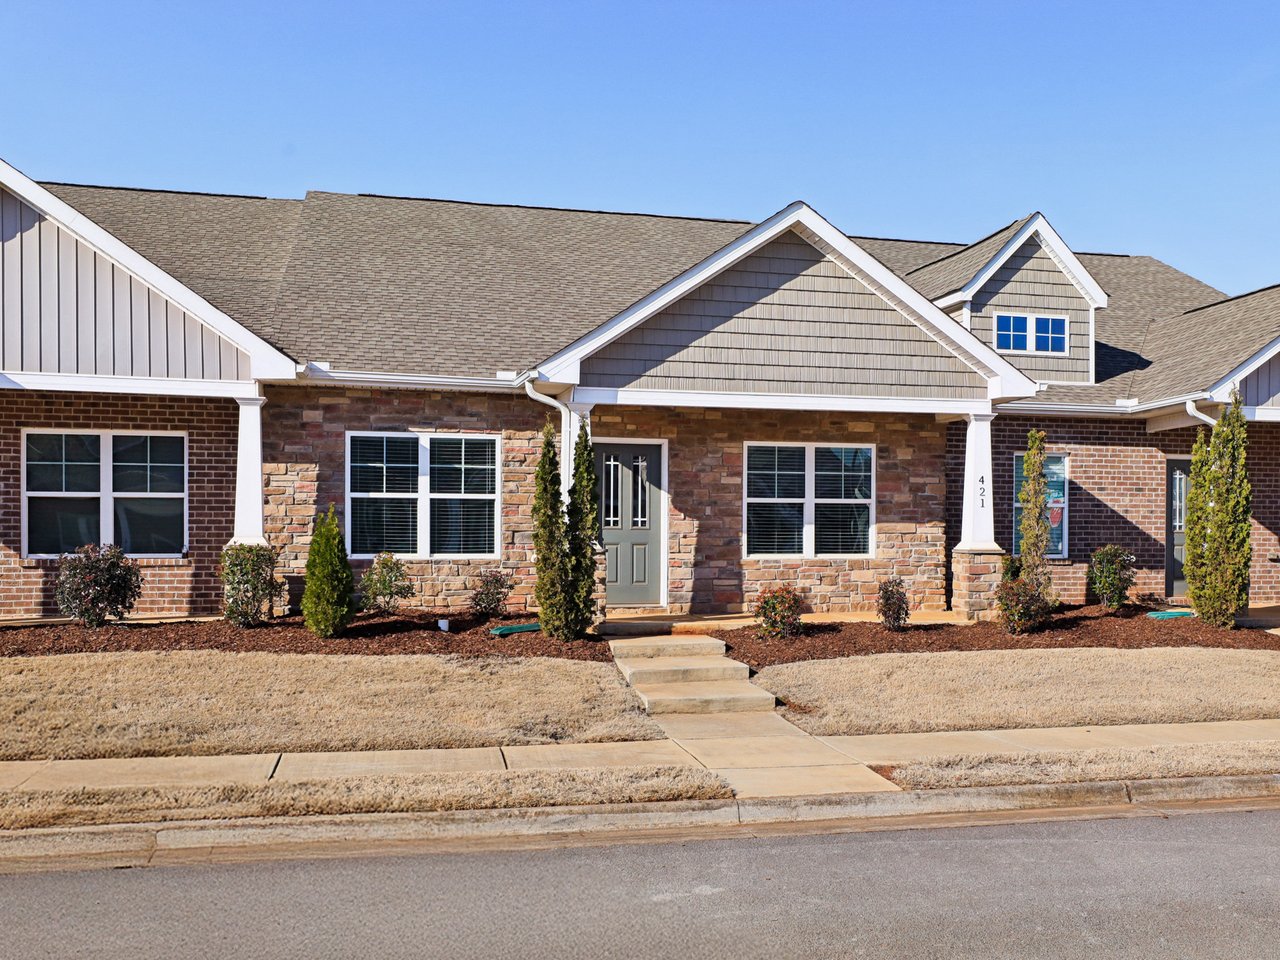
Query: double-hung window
point(422, 495)
point(1055, 474)
point(809, 500)
point(87, 487)
point(1016, 333)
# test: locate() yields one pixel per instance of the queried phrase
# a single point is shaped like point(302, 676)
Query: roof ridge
point(970, 246)
point(535, 206)
point(185, 193)
point(1238, 296)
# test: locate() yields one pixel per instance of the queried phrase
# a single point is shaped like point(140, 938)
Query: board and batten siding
point(65, 308)
point(1027, 283)
point(1262, 387)
point(787, 320)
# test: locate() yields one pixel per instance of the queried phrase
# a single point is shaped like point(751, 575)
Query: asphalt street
point(1203, 885)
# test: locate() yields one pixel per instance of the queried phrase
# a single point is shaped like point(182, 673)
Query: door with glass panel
point(1178, 473)
point(630, 475)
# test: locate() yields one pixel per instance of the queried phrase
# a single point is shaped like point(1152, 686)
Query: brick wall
point(705, 481)
point(304, 458)
point(187, 586)
point(1117, 494)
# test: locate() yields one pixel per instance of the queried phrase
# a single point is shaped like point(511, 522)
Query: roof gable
point(1003, 379)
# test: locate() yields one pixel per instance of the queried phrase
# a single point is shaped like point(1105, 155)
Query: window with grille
point(1022, 334)
point(809, 500)
point(87, 487)
point(422, 495)
point(1055, 474)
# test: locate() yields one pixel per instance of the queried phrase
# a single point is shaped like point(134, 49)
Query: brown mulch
point(1092, 626)
point(380, 634)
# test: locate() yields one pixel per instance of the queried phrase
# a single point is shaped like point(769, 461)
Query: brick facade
point(304, 461)
point(707, 572)
point(186, 586)
point(1116, 494)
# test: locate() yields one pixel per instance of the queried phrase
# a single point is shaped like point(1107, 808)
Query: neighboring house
point(771, 403)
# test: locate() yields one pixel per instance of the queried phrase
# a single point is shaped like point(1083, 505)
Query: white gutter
point(566, 431)
point(317, 371)
point(1194, 411)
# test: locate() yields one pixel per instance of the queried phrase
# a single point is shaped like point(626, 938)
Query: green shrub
point(327, 605)
point(1034, 525)
point(1111, 575)
point(777, 611)
point(1023, 607)
point(582, 533)
point(1219, 507)
point(489, 598)
point(249, 583)
point(97, 583)
point(385, 584)
point(550, 555)
point(892, 605)
point(1010, 567)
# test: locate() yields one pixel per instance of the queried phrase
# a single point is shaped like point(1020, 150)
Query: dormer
point(1023, 292)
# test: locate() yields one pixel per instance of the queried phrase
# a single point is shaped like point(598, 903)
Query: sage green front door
point(630, 524)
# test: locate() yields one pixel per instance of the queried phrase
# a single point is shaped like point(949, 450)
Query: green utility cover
point(515, 628)
point(1169, 614)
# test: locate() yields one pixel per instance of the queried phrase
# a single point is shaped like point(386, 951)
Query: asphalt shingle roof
point(404, 285)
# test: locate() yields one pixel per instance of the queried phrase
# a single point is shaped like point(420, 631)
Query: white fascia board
point(1005, 380)
point(151, 386)
point(265, 361)
point(773, 401)
point(1221, 391)
point(323, 374)
point(1053, 245)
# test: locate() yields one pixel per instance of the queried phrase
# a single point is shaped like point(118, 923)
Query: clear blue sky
point(1136, 127)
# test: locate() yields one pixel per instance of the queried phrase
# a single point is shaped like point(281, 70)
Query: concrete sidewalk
point(761, 755)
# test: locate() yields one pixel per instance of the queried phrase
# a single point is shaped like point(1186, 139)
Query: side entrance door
point(1178, 474)
point(630, 527)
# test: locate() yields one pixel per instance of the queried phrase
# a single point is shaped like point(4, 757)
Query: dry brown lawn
point(1003, 689)
point(444, 791)
point(1078, 766)
point(213, 702)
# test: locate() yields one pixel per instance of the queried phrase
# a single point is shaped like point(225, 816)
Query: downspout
point(566, 423)
point(1194, 411)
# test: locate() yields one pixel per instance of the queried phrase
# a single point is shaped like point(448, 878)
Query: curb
point(189, 841)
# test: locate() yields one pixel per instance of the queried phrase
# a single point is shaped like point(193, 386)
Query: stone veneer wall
point(707, 572)
point(304, 460)
point(185, 586)
point(1116, 494)
point(975, 577)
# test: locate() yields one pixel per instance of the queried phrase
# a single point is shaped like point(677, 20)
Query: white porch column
point(978, 523)
point(572, 423)
point(249, 498)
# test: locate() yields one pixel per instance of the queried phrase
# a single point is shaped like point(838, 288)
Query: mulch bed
point(1092, 626)
point(407, 632)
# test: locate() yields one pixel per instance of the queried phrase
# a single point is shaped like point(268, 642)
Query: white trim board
point(149, 386)
point(265, 361)
point(1004, 380)
point(773, 401)
point(1053, 245)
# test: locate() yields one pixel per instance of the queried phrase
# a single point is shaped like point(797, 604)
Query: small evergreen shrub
point(1111, 575)
point(97, 583)
point(892, 606)
point(249, 583)
point(489, 598)
point(777, 611)
point(1023, 607)
point(385, 584)
point(1034, 524)
point(327, 605)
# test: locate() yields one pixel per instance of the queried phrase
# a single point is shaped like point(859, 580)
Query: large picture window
point(1055, 474)
point(102, 487)
point(422, 495)
point(809, 500)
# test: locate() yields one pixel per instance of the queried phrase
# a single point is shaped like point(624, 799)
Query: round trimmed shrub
point(892, 606)
point(249, 583)
point(385, 584)
point(96, 584)
point(1111, 575)
point(777, 611)
point(1023, 606)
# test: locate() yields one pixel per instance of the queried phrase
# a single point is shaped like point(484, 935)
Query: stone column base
point(598, 595)
point(974, 578)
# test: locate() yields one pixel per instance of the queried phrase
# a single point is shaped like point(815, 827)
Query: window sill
point(51, 563)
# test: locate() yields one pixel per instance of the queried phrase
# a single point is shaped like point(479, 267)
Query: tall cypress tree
point(1034, 527)
point(582, 534)
point(549, 537)
point(1219, 510)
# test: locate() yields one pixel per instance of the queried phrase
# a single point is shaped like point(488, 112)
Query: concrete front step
point(629, 648)
point(707, 696)
point(681, 669)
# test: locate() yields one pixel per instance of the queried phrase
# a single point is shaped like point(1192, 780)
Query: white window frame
point(106, 494)
point(810, 482)
point(1032, 316)
point(424, 496)
point(1066, 506)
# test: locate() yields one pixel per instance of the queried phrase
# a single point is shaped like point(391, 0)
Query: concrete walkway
point(760, 754)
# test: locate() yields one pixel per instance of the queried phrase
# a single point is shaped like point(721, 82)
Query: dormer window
point(1050, 334)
